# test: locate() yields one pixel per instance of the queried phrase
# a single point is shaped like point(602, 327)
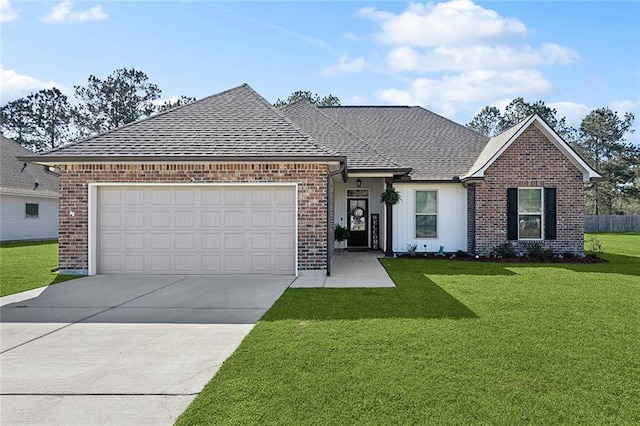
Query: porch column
point(388, 241)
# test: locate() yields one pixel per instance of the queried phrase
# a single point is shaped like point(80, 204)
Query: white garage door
point(196, 230)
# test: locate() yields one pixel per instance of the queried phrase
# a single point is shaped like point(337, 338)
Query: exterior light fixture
point(359, 183)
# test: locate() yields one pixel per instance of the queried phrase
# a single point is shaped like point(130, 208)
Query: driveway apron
point(122, 349)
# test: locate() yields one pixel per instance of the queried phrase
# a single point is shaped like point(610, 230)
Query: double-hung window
point(426, 214)
point(531, 213)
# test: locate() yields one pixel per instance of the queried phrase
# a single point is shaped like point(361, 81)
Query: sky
point(450, 57)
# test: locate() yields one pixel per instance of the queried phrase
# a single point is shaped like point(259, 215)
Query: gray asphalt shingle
point(434, 147)
point(235, 123)
point(15, 178)
point(327, 131)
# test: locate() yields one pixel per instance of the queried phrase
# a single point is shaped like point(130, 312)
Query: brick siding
point(531, 161)
point(312, 196)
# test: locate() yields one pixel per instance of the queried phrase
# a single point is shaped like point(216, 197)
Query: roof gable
point(235, 124)
point(17, 177)
point(498, 144)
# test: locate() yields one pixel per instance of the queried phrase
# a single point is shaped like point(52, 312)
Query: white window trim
point(542, 207)
point(437, 214)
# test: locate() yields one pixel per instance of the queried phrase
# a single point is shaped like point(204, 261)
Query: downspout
point(342, 170)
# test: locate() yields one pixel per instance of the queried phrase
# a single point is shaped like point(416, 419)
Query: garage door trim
point(93, 209)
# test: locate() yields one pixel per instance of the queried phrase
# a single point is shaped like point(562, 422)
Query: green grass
point(25, 266)
point(454, 343)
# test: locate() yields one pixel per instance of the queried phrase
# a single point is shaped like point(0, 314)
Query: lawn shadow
point(423, 299)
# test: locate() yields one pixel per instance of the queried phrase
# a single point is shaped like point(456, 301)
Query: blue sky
point(450, 57)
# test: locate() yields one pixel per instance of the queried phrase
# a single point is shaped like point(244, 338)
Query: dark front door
point(358, 212)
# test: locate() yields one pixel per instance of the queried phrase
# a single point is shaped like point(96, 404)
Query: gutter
point(342, 170)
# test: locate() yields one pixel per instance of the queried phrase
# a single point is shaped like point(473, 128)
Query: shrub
point(504, 250)
point(411, 249)
point(594, 244)
point(537, 250)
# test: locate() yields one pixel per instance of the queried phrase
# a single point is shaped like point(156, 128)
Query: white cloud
point(624, 106)
point(346, 65)
point(7, 13)
point(63, 13)
point(478, 57)
point(574, 112)
point(447, 94)
point(453, 23)
point(460, 56)
point(16, 85)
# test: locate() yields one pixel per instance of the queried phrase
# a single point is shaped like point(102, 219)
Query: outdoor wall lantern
point(359, 183)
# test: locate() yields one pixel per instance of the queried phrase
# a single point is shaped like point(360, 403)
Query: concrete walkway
point(120, 350)
point(355, 269)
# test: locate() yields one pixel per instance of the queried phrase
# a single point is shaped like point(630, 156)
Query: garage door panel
point(188, 230)
point(185, 241)
point(234, 218)
point(210, 241)
point(233, 240)
point(210, 219)
point(283, 218)
point(132, 197)
point(133, 218)
point(134, 240)
point(184, 263)
point(210, 197)
point(160, 241)
point(185, 219)
point(110, 241)
point(160, 219)
point(161, 263)
point(134, 263)
point(211, 263)
point(261, 218)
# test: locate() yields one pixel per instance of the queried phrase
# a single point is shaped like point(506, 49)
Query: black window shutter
point(550, 213)
point(512, 213)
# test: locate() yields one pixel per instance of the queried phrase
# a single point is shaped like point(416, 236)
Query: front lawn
point(25, 266)
point(454, 343)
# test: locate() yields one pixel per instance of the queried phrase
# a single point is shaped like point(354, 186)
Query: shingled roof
point(434, 147)
point(19, 178)
point(330, 133)
point(237, 124)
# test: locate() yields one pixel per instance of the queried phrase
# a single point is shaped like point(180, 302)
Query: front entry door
point(358, 212)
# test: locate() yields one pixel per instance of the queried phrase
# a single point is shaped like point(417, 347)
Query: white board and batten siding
point(194, 229)
point(452, 218)
point(16, 226)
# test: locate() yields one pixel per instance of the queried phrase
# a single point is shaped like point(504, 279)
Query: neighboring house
point(230, 185)
point(28, 197)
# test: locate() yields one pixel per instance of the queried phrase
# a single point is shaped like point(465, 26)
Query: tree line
point(600, 140)
point(47, 119)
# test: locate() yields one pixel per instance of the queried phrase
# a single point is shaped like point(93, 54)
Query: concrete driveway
point(122, 349)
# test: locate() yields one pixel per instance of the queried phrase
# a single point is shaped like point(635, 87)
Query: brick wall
point(312, 195)
point(531, 161)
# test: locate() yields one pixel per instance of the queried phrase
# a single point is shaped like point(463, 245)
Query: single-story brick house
point(28, 197)
point(231, 185)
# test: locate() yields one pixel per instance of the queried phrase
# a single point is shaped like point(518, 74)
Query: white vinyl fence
point(611, 223)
